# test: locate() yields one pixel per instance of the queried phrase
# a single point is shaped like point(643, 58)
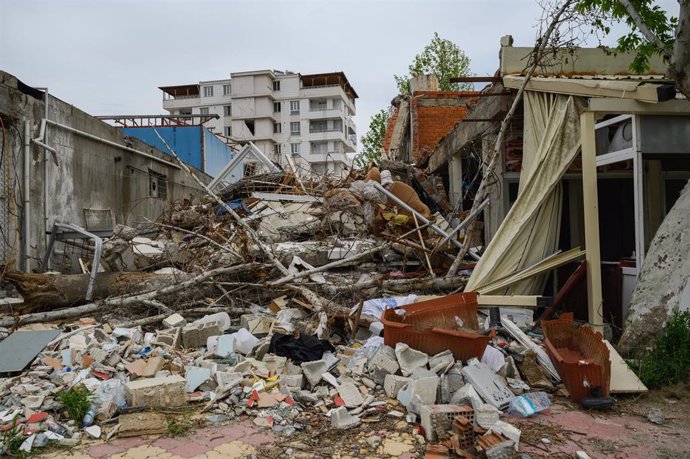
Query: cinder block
point(393, 383)
point(175, 320)
point(156, 392)
point(195, 335)
point(169, 337)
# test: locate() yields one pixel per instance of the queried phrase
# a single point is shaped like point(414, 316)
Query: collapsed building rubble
point(191, 312)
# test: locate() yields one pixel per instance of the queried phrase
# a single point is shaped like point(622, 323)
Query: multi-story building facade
point(283, 113)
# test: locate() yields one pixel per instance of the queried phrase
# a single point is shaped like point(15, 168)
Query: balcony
point(320, 129)
point(181, 102)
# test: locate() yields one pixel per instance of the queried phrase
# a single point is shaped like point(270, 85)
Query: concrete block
point(341, 419)
point(382, 363)
point(294, 381)
point(351, 395)
point(156, 392)
point(419, 392)
point(409, 358)
point(393, 383)
point(195, 335)
point(314, 370)
point(195, 377)
point(227, 380)
point(256, 324)
point(175, 320)
point(169, 337)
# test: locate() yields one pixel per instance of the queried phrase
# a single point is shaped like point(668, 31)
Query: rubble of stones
point(294, 356)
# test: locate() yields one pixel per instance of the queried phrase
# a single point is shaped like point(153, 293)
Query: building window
point(277, 128)
point(208, 91)
point(228, 131)
point(203, 110)
point(277, 148)
point(294, 106)
point(250, 126)
point(276, 107)
point(295, 148)
point(228, 110)
point(249, 169)
point(226, 89)
point(276, 85)
point(294, 128)
point(158, 185)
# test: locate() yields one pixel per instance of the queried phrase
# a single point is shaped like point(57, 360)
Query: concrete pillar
point(455, 179)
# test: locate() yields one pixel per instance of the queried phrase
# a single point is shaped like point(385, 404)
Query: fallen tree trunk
point(404, 285)
point(54, 291)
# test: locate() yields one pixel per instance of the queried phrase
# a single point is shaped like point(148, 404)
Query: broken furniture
point(580, 356)
point(449, 322)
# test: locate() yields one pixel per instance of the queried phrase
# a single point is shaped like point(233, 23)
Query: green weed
point(76, 401)
point(669, 361)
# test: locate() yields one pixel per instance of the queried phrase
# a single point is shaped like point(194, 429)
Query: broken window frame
point(249, 169)
point(158, 185)
point(251, 126)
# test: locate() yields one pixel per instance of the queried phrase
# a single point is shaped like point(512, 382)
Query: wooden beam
point(591, 213)
point(525, 301)
point(479, 79)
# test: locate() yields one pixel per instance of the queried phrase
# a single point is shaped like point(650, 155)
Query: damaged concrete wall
point(663, 286)
point(85, 174)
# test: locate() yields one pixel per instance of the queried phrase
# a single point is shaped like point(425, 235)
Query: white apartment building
point(306, 116)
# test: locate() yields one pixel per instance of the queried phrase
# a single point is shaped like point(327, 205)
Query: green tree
point(442, 58)
point(652, 31)
point(372, 141)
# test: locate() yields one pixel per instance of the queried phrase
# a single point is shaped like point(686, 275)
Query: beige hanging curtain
point(530, 231)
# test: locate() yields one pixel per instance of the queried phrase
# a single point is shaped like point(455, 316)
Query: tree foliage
point(652, 31)
point(442, 58)
point(372, 141)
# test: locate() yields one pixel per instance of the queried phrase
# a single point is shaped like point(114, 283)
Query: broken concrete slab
point(195, 377)
point(419, 392)
point(139, 424)
point(175, 320)
point(409, 358)
point(393, 383)
point(159, 392)
point(313, 371)
point(341, 419)
point(351, 395)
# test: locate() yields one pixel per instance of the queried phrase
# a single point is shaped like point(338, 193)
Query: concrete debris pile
point(301, 310)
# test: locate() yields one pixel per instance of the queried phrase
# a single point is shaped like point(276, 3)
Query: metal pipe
point(26, 245)
point(113, 144)
point(41, 140)
point(98, 247)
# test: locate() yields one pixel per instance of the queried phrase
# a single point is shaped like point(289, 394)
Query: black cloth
point(305, 348)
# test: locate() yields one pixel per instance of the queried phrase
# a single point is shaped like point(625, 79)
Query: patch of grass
point(12, 439)
point(179, 426)
point(669, 361)
point(76, 401)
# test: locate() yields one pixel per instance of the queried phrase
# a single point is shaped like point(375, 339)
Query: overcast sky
point(109, 57)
